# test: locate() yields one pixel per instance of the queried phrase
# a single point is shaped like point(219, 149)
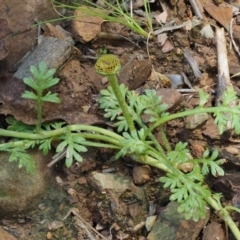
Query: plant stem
point(39, 111)
point(224, 214)
point(164, 138)
point(190, 112)
point(60, 131)
point(121, 101)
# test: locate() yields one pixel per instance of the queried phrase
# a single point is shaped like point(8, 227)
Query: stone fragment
point(171, 97)
point(167, 47)
point(213, 231)
point(149, 222)
point(232, 150)
point(21, 16)
point(117, 183)
point(211, 129)
point(86, 27)
point(196, 120)
point(172, 225)
point(20, 191)
point(141, 174)
point(197, 150)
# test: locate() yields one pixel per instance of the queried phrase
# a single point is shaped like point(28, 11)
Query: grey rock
point(20, 191)
point(172, 225)
point(196, 120)
point(115, 182)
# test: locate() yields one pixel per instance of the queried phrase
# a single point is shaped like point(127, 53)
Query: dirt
point(77, 204)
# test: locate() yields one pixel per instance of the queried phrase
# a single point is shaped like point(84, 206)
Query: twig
point(186, 80)
point(57, 157)
point(85, 225)
point(223, 69)
point(192, 62)
point(196, 8)
point(232, 39)
point(166, 29)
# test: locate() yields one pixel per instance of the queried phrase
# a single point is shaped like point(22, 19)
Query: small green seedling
point(135, 138)
point(42, 79)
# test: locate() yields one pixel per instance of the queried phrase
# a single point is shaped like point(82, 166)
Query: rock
point(172, 225)
point(20, 191)
point(141, 174)
point(211, 129)
point(117, 183)
point(197, 149)
point(53, 51)
point(196, 120)
point(171, 97)
point(167, 47)
point(213, 231)
point(121, 201)
point(23, 36)
point(149, 222)
point(228, 185)
point(5, 235)
point(86, 27)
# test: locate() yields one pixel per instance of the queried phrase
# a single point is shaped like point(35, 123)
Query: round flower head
point(107, 64)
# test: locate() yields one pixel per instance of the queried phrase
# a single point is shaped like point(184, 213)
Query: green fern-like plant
point(133, 137)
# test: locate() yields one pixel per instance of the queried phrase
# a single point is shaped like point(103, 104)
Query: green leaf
point(121, 124)
point(203, 98)
point(25, 160)
point(51, 98)
point(50, 73)
point(132, 144)
point(74, 146)
point(180, 154)
point(15, 125)
point(229, 96)
point(30, 82)
point(170, 180)
point(49, 82)
point(42, 68)
point(45, 145)
point(61, 146)
point(29, 95)
point(221, 121)
point(178, 194)
point(35, 73)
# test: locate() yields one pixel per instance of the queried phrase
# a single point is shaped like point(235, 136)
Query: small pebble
point(196, 120)
point(141, 174)
point(55, 225)
point(150, 222)
point(49, 235)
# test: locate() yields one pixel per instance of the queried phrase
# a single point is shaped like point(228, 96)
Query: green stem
point(188, 113)
point(224, 214)
point(151, 136)
point(60, 131)
point(39, 111)
point(165, 140)
point(121, 101)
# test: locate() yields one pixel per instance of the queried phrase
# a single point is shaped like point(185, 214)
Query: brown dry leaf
point(24, 110)
point(86, 27)
point(221, 14)
point(162, 17)
point(159, 79)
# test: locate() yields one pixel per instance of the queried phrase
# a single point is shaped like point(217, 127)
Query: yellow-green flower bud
point(107, 65)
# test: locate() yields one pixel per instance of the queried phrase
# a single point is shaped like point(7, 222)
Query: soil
point(71, 209)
